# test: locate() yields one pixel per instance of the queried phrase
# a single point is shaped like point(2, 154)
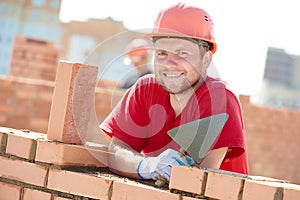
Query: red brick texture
point(272, 137)
point(34, 58)
point(66, 154)
point(72, 102)
point(22, 178)
point(25, 101)
point(9, 191)
point(79, 184)
point(36, 172)
point(30, 194)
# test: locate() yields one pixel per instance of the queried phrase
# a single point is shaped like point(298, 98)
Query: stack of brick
point(34, 58)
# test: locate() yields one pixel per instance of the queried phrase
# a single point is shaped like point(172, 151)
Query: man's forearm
point(123, 161)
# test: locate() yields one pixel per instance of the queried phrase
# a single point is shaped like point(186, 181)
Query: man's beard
point(183, 87)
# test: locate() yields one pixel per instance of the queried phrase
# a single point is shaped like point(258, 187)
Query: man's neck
point(180, 100)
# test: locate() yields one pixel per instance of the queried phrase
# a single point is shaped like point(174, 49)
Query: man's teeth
point(172, 75)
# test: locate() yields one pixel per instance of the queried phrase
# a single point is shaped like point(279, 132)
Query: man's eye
point(161, 54)
point(183, 53)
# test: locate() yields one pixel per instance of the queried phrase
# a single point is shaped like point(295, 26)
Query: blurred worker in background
point(137, 56)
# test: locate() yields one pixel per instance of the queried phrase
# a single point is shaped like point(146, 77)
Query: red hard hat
point(185, 21)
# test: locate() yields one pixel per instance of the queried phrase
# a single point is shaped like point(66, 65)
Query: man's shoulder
point(147, 80)
point(215, 83)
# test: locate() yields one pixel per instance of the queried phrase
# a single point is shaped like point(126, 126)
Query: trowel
point(197, 137)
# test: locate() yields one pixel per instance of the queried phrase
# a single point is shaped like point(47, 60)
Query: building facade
point(31, 18)
point(99, 42)
point(281, 83)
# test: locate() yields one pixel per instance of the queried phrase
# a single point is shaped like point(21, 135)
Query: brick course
point(22, 179)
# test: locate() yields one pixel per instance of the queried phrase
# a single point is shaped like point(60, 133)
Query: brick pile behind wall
point(273, 140)
point(34, 58)
point(25, 103)
point(33, 167)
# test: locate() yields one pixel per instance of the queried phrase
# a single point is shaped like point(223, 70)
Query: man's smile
point(173, 74)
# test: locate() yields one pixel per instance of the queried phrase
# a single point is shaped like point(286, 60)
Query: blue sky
point(243, 29)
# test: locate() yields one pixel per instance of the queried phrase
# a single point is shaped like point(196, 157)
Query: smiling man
point(180, 91)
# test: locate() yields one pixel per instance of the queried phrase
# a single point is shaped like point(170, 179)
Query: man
point(137, 56)
point(179, 92)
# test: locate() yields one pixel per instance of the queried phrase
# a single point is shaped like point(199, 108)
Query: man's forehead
point(174, 43)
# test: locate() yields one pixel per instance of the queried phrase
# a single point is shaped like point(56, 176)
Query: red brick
point(79, 184)
point(186, 179)
point(34, 59)
point(19, 146)
point(72, 102)
point(9, 192)
point(265, 190)
point(291, 191)
point(191, 198)
point(30, 194)
point(19, 142)
point(134, 191)
point(223, 185)
point(60, 198)
point(3, 119)
point(39, 124)
point(26, 94)
point(67, 154)
point(22, 171)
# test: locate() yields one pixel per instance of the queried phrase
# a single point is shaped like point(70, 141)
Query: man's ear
point(206, 60)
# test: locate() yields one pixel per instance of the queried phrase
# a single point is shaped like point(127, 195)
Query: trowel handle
point(182, 154)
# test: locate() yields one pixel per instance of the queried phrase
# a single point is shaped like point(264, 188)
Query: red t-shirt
point(144, 115)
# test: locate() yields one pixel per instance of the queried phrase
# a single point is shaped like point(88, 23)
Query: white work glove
point(160, 166)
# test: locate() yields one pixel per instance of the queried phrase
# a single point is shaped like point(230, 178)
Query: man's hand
point(160, 166)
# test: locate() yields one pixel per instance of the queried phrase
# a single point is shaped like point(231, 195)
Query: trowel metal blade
point(197, 137)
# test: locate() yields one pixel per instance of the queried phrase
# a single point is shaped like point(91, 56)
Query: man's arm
point(122, 159)
point(125, 161)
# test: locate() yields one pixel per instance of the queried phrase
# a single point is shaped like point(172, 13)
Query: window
point(38, 2)
point(35, 15)
point(54, 4)
point(53, 19)
point(3, 8)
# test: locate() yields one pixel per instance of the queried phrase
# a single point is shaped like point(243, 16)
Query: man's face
point(177, 64)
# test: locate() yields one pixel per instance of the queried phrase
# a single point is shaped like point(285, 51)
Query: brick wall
point(25, 103)
point(273, 140)
point(272, 134)
point(34, 58)
point(33, 167)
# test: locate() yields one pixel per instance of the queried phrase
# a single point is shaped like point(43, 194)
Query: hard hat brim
point(150, 36)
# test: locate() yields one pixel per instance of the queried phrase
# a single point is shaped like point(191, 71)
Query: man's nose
point(172, 60)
